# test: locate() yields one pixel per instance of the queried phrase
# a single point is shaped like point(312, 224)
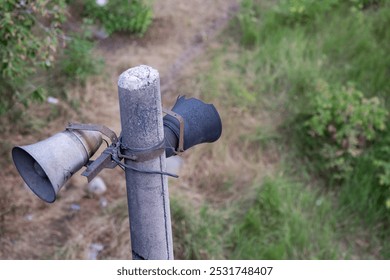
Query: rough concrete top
point(137, 77)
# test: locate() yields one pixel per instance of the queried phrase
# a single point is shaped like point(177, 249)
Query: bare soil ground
point(31, 229)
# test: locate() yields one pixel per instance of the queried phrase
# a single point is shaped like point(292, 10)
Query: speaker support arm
point(103, 161)
point(95, 127)
point(112, 155)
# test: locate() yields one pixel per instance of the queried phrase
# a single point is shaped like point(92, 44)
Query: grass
point(303, 213)
point(283, 220)
point(196, 235)
point(255, 194)
point(286, 221)
point(293, 57)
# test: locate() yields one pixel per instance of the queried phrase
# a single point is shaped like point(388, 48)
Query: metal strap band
point(140, 155)
point(180, 148)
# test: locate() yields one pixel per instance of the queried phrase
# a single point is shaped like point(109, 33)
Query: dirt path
point(179, 33)
point(77, 222)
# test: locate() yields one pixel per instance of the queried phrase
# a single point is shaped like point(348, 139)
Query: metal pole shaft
point(147, 194)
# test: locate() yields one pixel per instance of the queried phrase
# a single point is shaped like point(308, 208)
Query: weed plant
point(133, 16)
point(197, 235)
point(28, 41)
point(39, 59)
point(282, 221)
point(341, 45)
point(78, 62)
point(324, 66)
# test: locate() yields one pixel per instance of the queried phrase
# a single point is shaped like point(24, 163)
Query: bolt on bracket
point(180, 148)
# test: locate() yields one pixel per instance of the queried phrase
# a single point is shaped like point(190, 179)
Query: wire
point(114, 151)
point(170, 147)
point(123, 165)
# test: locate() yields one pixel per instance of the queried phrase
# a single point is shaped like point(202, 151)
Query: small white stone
point(75, 207)
point(100, 34)
point(29, 217)
point(93, 250)
point(319, 202)
point(103, 202)
point(52, 100)
point(97, 186)
point(101, 3)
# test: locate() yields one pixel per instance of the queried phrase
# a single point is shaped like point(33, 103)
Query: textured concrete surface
point(148, 198)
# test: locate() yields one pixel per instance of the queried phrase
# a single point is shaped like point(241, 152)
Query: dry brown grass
point(31, 229)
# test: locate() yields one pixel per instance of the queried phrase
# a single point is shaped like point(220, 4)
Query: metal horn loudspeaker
point(202, 124)
point(47, 165)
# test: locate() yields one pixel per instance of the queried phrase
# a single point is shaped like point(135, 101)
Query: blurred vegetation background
point(39, 43)
point(302, 170)
point(325, 66)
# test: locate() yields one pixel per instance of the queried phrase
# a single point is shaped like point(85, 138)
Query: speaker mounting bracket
point(95, 127)
point(180, 119)
point(105, 159)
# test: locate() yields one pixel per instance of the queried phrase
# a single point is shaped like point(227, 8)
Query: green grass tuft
point(286, 221)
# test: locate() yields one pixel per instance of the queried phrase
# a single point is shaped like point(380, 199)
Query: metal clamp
point(180, 148)
point(112, 155)
point(141, 155)
point(105, 159)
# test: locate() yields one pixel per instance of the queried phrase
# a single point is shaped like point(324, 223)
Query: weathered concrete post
point(142, 129)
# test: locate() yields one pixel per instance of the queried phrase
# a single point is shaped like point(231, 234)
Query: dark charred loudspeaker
point(202, 124)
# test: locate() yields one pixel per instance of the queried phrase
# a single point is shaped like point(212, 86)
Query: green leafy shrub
point(357, 52)
point(29, 32)
point(380, 160)
point(248, 22)
point(120, 15)
point(78, 62)
point(343, 122)
point(300, 42)
point(366, 190)
point(301, 11)
point(362, 4)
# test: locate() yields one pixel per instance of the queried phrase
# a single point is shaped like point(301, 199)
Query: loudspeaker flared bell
point(202, 124)
point(47, 165)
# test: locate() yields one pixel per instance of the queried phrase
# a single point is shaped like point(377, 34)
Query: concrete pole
point(147, 194)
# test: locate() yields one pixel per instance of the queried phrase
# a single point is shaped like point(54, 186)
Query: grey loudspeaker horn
point(47, 165)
